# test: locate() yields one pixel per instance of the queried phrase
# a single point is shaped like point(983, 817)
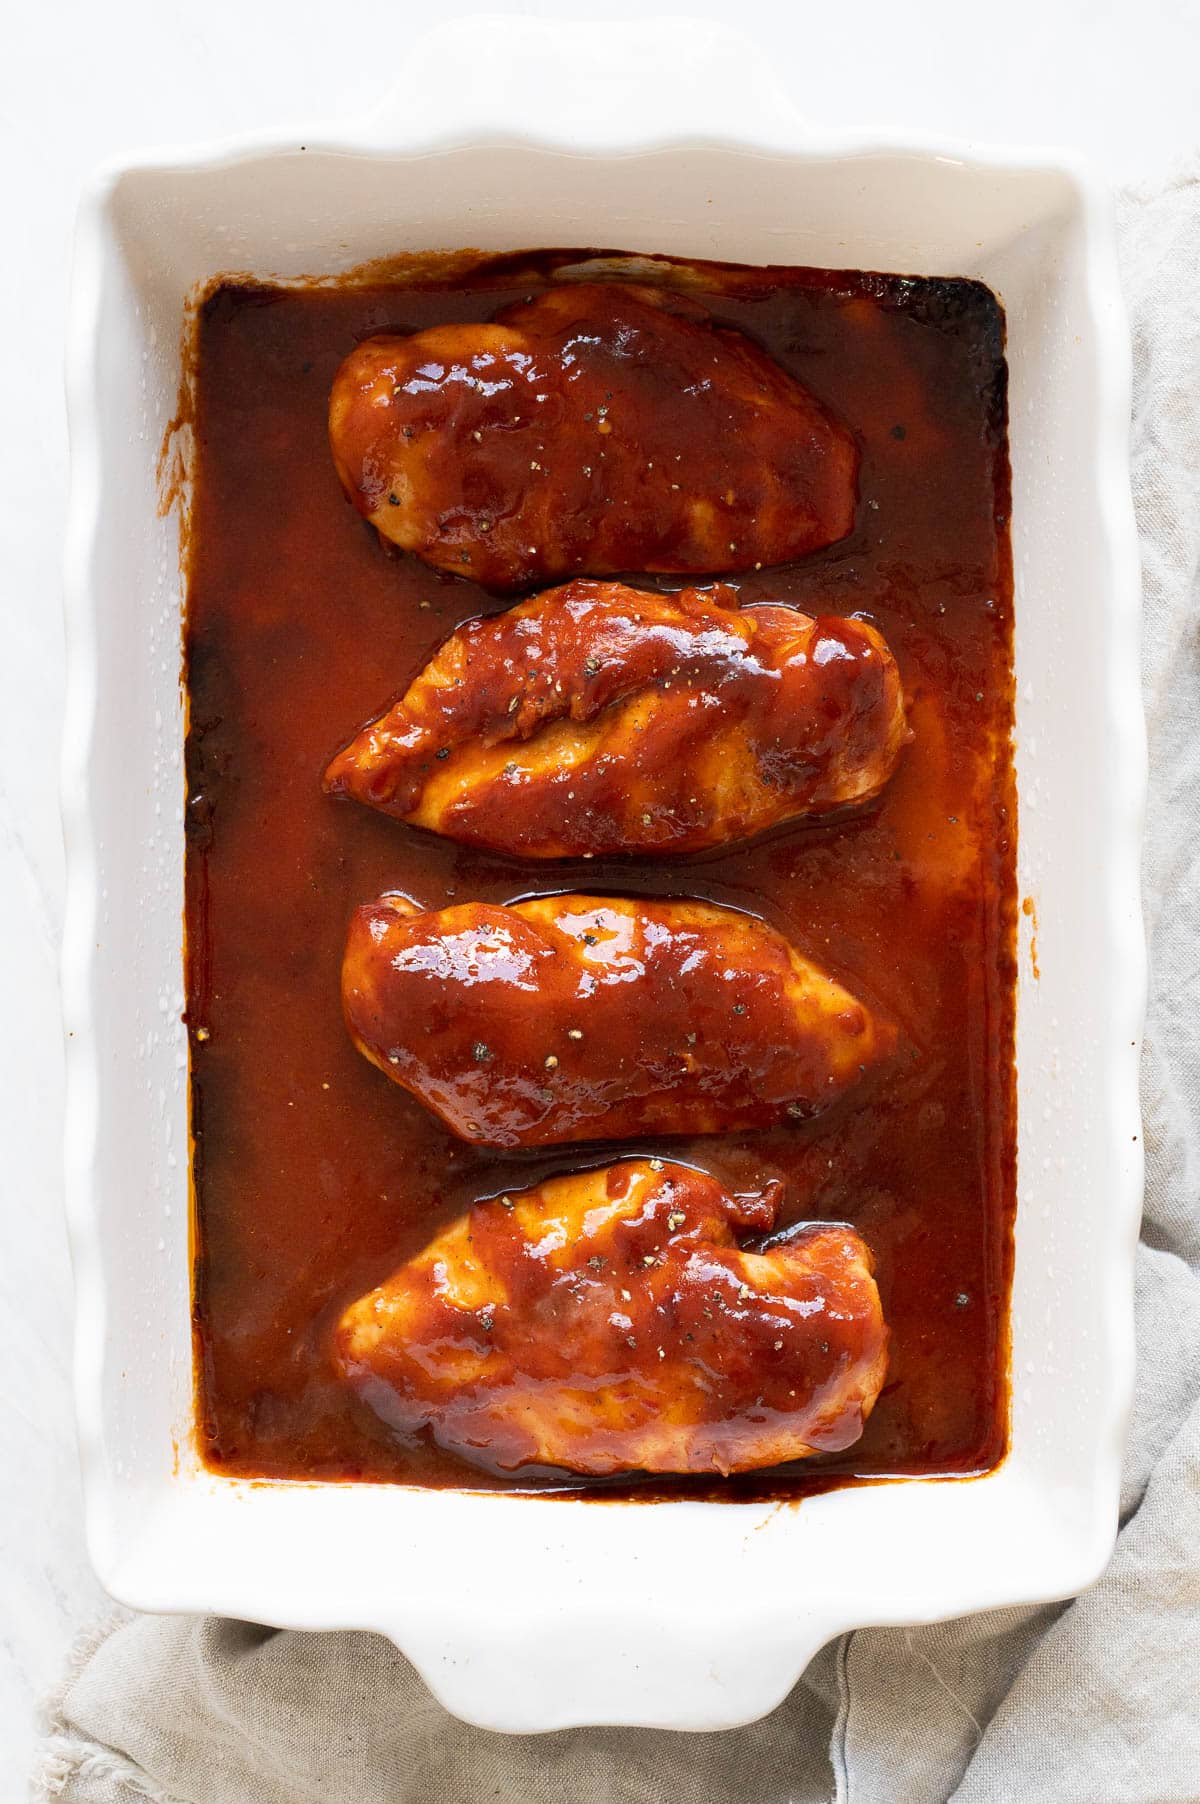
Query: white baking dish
point(525, 1613)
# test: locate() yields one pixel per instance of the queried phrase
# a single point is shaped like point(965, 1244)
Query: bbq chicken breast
point(610, 1322)
point(588, 1018)
point(595, 719)
point(593, 428)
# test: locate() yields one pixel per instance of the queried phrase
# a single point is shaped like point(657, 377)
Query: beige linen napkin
point(1097, 1702)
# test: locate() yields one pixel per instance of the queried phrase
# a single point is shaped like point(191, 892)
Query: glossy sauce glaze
point(611, 1321)
point(593, 428)
point(315, 1178)
point(596, 718)
point(568, 1018)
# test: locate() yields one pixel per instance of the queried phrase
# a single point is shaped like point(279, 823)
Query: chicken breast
point(594, 428)
point(610, 1322)
point(595, 718)
point(587, 1018)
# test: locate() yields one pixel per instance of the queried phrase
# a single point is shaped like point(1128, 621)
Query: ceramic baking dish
point(526, 1613)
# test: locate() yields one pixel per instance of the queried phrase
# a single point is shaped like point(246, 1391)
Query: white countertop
point(1119, 79)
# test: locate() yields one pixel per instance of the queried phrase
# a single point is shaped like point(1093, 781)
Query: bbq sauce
point(313, 1176)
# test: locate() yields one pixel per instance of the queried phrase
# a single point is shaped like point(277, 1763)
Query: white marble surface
point(78, 83)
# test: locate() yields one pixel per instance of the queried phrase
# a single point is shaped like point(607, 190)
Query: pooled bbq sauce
point(313, 1176)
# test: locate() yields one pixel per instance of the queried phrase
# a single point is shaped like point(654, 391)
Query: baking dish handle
point(586, 87)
